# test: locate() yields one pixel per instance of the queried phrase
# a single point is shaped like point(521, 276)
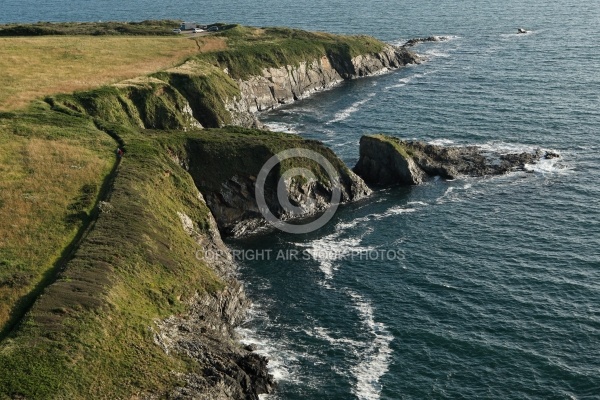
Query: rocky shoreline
point(207, 333)
point(154, 316)
point(284, 85)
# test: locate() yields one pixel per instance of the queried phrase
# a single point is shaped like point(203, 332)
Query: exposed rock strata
point(277, 86)
point(385, 160)
point(206, 334)
point(230, 192)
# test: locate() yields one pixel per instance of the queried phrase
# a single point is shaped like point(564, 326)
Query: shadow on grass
point(24, 304)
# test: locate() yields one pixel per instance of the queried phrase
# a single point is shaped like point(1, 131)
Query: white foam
point(402, 82)
point(376, 358)
point(281, 127)
point(374, 355)
point(393, 211)
point(331, 249)
point(346, 113)
point(417, 203)
point(544, 166)
point(441, 142)
point(446, 195)
point(516, 35)
point(549, 166)
point(506, 148)
point(283, 362)
point(433, 53)
point(324, 334)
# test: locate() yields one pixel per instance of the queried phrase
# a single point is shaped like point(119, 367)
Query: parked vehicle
point(187, 26)
point(176, 30)
point(198, 30)
point(213, 29)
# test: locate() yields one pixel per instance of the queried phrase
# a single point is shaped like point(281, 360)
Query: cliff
point(230, 187)
point(136, 310)
point(253, 70)
point(386, 160)
point(286, 84)
point(132, 308)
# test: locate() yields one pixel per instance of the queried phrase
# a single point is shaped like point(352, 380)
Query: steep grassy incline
point(91, 333)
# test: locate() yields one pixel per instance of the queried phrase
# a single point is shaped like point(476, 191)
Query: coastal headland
point(102, 291)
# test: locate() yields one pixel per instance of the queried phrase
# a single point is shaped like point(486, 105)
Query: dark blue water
point(476, 288)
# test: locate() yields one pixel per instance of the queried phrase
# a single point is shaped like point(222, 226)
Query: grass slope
point(52, 168)
point(105, 277)
point(90, 334)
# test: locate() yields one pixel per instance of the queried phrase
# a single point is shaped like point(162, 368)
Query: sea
point(476, 288)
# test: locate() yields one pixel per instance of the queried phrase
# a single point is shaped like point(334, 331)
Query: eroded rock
point(386, 160)
point(283, 85)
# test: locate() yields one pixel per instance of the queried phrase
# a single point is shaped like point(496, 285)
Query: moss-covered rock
point(230, 187)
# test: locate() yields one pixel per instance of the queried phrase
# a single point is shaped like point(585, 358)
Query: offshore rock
point(381, 163)
point(386, 160)
point(415, 41)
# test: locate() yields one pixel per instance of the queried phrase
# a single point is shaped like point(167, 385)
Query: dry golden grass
point(211, 43)
point(40, 179)
point(33, 67)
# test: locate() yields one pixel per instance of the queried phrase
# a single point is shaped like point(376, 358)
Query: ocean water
point(475, 288)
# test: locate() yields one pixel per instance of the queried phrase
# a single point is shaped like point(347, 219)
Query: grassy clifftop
point(252, 49)
point(92, 250)
point(143, 28)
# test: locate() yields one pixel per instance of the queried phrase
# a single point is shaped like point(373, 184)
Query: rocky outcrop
point(277, 86)
point(230, 188)
point(206, 332)
point(386, 160)
point(382, 163)
point(143, 102)
point(415, 41)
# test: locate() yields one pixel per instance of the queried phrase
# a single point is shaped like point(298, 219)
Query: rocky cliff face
point(381, 163)
point(230, 187)
point(386, 160)
point(197, 95)
point(206, 333)
point(277, 86)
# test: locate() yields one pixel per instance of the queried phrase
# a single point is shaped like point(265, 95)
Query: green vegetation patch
point(398, 144)
point(143, 28)
point(206, 88)
point(250, 50)
point(53, 166)
point(148, 103)
point(91, 335)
